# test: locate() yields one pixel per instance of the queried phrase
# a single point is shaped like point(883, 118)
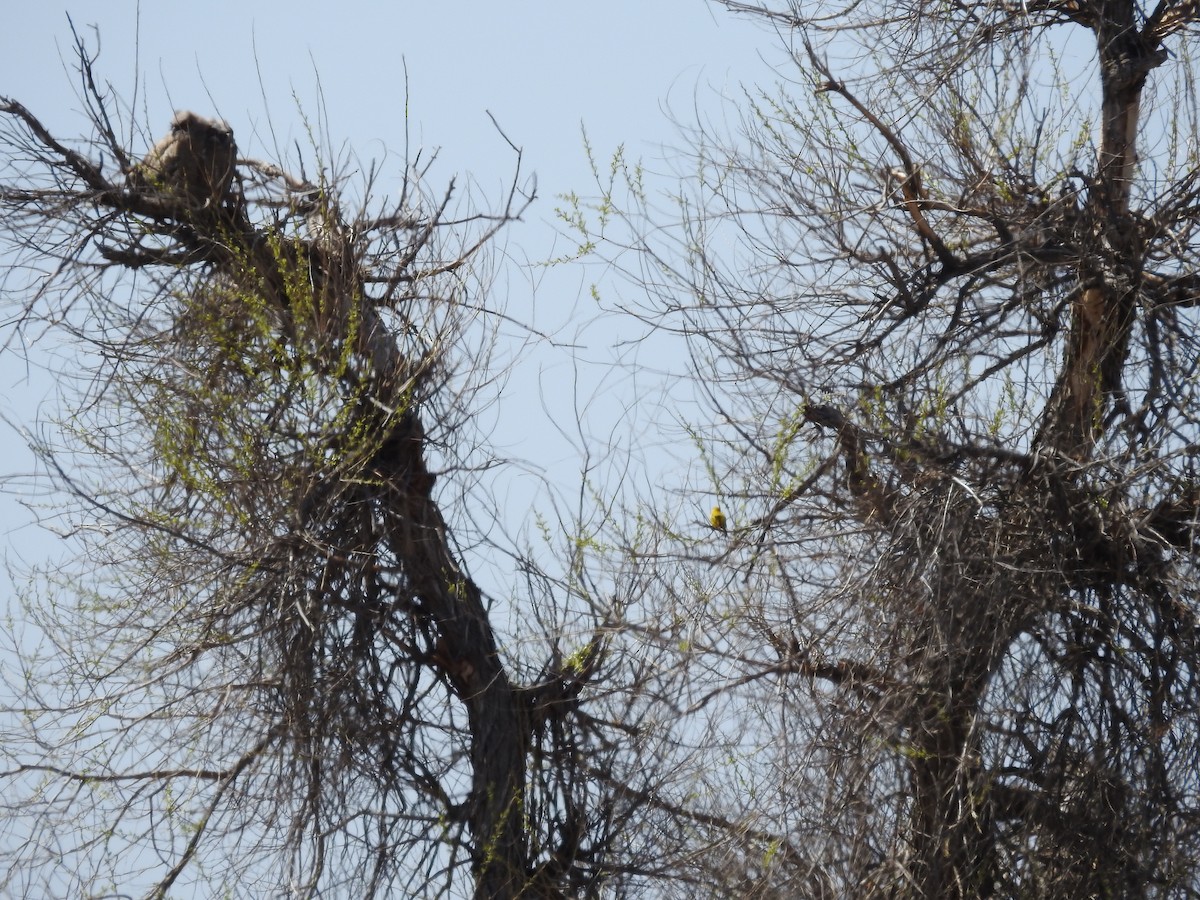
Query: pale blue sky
point(542, 68)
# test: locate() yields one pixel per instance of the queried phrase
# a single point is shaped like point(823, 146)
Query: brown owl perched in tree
point(194, 162)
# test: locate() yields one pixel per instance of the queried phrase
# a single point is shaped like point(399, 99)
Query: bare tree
point(941, 301)
point(269, 671)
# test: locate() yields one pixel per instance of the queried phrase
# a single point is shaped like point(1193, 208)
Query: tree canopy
point(937, 639)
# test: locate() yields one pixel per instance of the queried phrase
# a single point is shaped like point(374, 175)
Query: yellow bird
point(717, 518)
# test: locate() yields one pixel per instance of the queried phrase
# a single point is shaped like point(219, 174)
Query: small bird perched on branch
point(717, 519)
point(823, 416)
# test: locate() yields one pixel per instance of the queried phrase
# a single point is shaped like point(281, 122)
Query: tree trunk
point(1104, 305)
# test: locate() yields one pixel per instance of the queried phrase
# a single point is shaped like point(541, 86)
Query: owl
point(195, 162)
